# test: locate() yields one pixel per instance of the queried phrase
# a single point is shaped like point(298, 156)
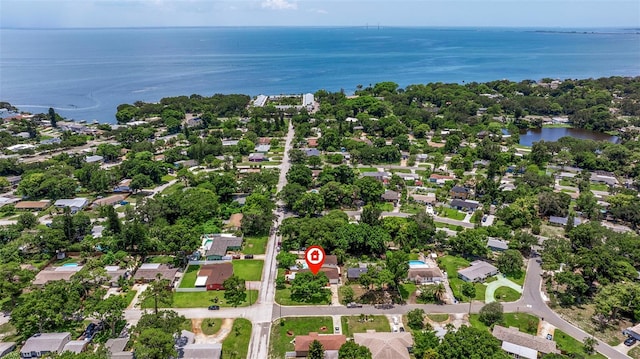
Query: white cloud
point(319, 11)
point(279, 5)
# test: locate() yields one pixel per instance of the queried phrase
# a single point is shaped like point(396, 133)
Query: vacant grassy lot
point(254, 245)
point(572, 346)
point(527, 323)
point(283, 297)
point(406, 289)
point(282, 335)
point(201, 299)
point(451, 265)
point(211, 326)
point(506, 294)
point(581, 317)
point(248, 269)
point(189, 277)
point(438, 317)
point(367, 169)
point(358, 324)
point(236, 344)
point(452, 213)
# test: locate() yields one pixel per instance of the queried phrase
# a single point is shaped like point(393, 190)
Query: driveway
point(501, 282)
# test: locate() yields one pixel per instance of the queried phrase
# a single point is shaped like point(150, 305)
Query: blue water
point(70, 265)
point(415, 263)
point(85, 74)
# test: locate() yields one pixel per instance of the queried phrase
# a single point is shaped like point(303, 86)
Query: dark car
point(630, 341)
point(214, 307)
point(384, 306)
point(248, 256)
point(354, 305)
point(401, 329)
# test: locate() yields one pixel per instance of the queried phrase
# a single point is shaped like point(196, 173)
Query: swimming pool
point(417, 264)
point(70, 265)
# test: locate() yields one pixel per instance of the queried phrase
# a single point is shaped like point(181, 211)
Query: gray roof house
point(201, 351)
point(42, 343)
point(426, 275)
point(116, 346)
point(390, 196)
point(216, 246)
point(464, 205)
point(478, 271)
point(74, 204)
point(6, 348)
point(263, 148)
point(562, 221)
point(311, 152)
point(75, 346)
point(519, 342)
point(94, 159)
point(633, 331)
point(377, 175)
point(355, 273)
point(497, 245)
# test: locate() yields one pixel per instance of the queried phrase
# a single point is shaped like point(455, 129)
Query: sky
point(473, 13)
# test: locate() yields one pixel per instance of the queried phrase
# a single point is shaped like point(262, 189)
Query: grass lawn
point(406, 289)
point(451, 265)
point(248, 269)
point(385, 207)
point(635, 352)
point(527, 323)
point(506, 294)
point(168, 178)
point(282, 335)
point(8, 333)
point(254, 245)
point(367, 169)
point(236, 344)
point(446, 225)
point(128, 296)
point(211, 326)
point(519, 280)
point(414, 256)
point(412, 208)
point(438, 317)
point(580, 316)
point(564, 182)
point(452, 213)
point(173, 188)
point(283, 297)
point(201, 299)
point(160, 259)
point(570, 345)
point(352, 324)
point(599, 187)
point(189, 277)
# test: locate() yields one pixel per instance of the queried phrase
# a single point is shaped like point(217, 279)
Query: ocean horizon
point(86, 73)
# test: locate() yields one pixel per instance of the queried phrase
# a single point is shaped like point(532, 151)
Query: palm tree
point(439, 292)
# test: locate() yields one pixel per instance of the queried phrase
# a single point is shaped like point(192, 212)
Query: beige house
point(386, 345)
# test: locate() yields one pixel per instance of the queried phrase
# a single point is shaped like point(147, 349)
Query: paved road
point(405, 215)
point(259, 344)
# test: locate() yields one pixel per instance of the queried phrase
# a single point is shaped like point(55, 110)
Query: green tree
point(425, 343)
point(52, 117)
point(398, 264)
point(13, 279)
point(110, 311)
point(510, 262)
point(316, 350)
point(370, 189)
point(159, 293)
point(314, 161)
point(154, 343)
point(370, 215)
point(234, 290)
point(469, 291)
point(168, 321)
point(491, 313)
point(415, 319)
point(27, 220)
point(470, 342)
point(353, 350)
point(301, 175)
point(589, 345)
point(347, 294)
point(286, 259)
point(309, 288)
point(309, 204)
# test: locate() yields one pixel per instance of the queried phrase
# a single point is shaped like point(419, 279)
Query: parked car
point(401, 329)
point(336, 330)
point(549, 337)
point(236, 256)
point(214, 307)
point(354, 305)
point(384, 306)
point(630, 341)
point(248, 256)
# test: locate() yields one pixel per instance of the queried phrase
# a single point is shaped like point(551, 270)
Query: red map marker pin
point(314, 256)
